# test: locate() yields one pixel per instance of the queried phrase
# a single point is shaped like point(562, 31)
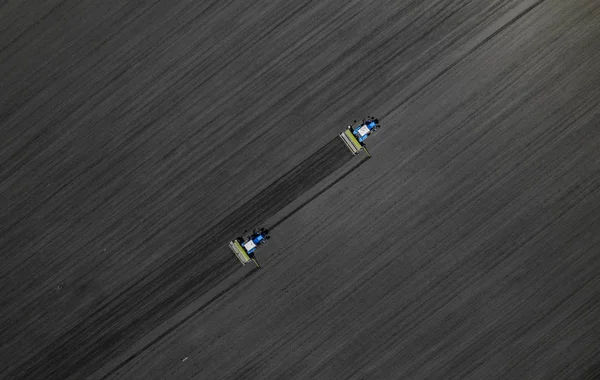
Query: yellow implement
point(241, 253)
point(351, 141)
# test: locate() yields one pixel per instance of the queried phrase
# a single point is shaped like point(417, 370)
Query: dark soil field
point(138, 137)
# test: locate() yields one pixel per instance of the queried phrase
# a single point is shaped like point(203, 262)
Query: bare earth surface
point(138, 137)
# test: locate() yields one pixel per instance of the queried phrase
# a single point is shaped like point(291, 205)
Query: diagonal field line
point(291, 213)
point(178, 324)
point(464, 56)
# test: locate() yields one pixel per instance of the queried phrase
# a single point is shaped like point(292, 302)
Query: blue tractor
point(244, 248)
point(354, 136)
point(363, 130)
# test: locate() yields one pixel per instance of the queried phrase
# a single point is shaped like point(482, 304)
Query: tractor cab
point(363, 130)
